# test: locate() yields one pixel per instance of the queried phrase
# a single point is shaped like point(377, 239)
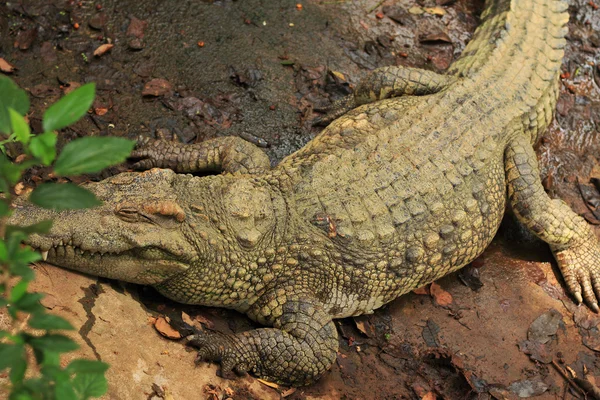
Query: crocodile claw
point(580, 267)
point(222, 348)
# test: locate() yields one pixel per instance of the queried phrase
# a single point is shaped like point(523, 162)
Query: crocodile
point(408, 183)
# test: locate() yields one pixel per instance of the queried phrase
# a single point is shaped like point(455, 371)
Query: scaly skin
point(408, 185)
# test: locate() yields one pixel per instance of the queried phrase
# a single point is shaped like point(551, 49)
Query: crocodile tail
point(514, 26)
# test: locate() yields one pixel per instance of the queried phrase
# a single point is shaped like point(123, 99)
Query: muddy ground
point(502, 328)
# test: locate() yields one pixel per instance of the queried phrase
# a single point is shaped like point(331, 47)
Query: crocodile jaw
point(144, 265)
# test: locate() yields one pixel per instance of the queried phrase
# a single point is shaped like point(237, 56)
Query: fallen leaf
point(537, 351)
point(422, 290)
point(339, 75)
point(528, 388)
point(136, 27)
point(288, 392)
point(6, 67)
point(545, 326)
point(591, 338)
point(163, 327)
point(19, 188)
point(416, 10)
point(441, 297)
point(429, 396)
point(100, 110)
point(156, 88)
point(25, 38)
point(470, 277)
point(267, 383)
point(98, 21)
point(435, 10)
point(430, 333)
point(435, 37)
point(103, 49)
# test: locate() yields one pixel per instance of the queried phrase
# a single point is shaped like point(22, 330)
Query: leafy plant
point(81, 379)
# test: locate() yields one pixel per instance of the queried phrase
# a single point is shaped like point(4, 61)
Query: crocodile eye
point(127, 213)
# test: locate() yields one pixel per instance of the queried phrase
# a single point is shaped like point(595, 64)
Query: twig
point(566, 377)
point(375, 7)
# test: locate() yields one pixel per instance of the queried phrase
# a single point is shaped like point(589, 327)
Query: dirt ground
point(501, 328)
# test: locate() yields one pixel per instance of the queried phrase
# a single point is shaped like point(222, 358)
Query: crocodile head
point(190, 237)
point(137, 235)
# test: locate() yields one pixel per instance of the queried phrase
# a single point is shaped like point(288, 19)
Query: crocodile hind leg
point(571, 240)
point(223, 154)
point(301, 345)
point(384, 83)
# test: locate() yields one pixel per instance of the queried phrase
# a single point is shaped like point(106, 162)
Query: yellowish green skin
point(407, 186)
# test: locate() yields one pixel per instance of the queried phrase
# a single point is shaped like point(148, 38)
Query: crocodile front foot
point(231, 351)
point(580, 267)
point(300, 347)
point(223, 154)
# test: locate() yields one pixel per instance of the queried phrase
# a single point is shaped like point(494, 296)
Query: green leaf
point(9, 171)
point(65, 390)
point(30, 302)
point(20, 127)
point(86, 366)
point(34, 385)
point(53, 342)
point(11, 96)
point(17, 369)
point(40, 227)
point(18, 291)
point(49, 321)
point(23, 271)
point(3, 251)
point(44, 147)
point(46, 358)
point(26, 256)
point(9, 354)
point(90, 385)
point(63, 196)
point(21, 394)
point(70, 108)
point(92, 154)
point(4, 209)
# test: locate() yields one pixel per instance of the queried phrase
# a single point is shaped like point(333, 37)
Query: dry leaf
point(415, 10)
point(422, 290)
point(267, 383)
point(440, 296)
point(435, 10)
point(288, 392)
point(156, 87)
point(103, 49)
point(338, 75)
point(429, 396)
point(6, 67)
point(19, 187)
point(163, 327)
point(100, 110)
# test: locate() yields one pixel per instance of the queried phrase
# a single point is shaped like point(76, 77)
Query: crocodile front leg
point(384, 83)
point(573, 243)
point(301, 345)
point(223, 154)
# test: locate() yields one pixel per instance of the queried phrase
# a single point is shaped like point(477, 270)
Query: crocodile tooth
point(45, 255)
point(61, 243)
